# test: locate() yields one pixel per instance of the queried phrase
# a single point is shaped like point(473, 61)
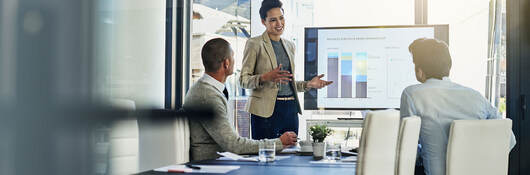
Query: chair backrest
point(377, 148)
point(407, 146)
point(124, 141)
point(478, 147)
point(182, 137)
point(163, 141)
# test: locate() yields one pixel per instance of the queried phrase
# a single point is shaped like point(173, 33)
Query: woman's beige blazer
point(259, 58)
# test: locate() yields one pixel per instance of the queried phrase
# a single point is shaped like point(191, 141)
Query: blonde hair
point(431, 56)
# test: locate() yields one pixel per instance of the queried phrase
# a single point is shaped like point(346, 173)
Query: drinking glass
point(267, 151)
point(333, 151)
point(280, 84)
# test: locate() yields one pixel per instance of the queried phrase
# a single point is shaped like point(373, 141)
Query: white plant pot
point(319, 150)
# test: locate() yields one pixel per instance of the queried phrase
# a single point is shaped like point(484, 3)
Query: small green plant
point(319, 132)
point(502, 105)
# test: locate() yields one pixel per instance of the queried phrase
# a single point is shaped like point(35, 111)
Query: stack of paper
point(232, 156)
point(293, 149)
point(204, 169)
point(345, 161)
point(349, 159)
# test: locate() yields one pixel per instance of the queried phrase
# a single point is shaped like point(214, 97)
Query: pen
point(176, 171)
point(193, 167)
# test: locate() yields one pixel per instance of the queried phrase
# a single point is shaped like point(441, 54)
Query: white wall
point(468, 38)
point(363, 13)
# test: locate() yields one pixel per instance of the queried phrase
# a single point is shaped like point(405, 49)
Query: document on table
point(204, 169)
point(349, 159)
point(293, 149)
point(344, 161)
point(232, 156)
point(253, 158)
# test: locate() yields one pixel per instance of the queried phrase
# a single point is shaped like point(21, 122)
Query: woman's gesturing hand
point(277, 75)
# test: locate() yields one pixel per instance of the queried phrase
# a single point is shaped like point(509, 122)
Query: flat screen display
point(370, 65)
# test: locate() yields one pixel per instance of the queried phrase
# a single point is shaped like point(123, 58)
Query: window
point(305, 13)
point(232, 20)
point(235, 20)
point(129, 49)
point(496, 87)
point(228, 19)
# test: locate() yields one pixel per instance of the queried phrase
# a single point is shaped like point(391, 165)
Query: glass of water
point(280, 84)
point(333, 151)
point(267, 151)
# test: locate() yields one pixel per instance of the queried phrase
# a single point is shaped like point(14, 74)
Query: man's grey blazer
point(213, 134)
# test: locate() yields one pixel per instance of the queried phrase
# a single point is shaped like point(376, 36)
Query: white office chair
point(478, 147)
point(182, 140)
point(124, 141)
point(164, 142)
point(377, 148)
point(407, 146)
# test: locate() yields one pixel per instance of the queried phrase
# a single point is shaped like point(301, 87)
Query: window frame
point(178, 27)
point(169, 55)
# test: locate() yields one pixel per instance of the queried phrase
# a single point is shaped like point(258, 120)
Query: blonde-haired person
point(438, 101)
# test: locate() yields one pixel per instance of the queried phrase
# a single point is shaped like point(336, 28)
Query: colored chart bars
point(333, 74)
point(361, 75)
point(346, 64)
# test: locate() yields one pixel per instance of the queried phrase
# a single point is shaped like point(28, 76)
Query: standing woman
point(267, 70)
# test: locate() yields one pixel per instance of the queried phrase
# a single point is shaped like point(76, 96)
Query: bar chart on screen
point(370, 67)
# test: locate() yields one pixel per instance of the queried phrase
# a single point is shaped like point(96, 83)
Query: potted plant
point(319, 133)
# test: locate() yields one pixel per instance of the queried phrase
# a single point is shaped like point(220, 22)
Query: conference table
point(295, 164)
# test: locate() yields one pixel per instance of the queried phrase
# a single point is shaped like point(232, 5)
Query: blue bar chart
point(346, 64)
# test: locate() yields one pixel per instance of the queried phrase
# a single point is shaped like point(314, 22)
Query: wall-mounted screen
point(369, 66)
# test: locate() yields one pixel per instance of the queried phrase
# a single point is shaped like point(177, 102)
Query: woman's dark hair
point(431, 56)
point(267, 5)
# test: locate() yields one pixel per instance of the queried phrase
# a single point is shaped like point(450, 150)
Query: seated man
point(438, 102)
point(210, 135)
